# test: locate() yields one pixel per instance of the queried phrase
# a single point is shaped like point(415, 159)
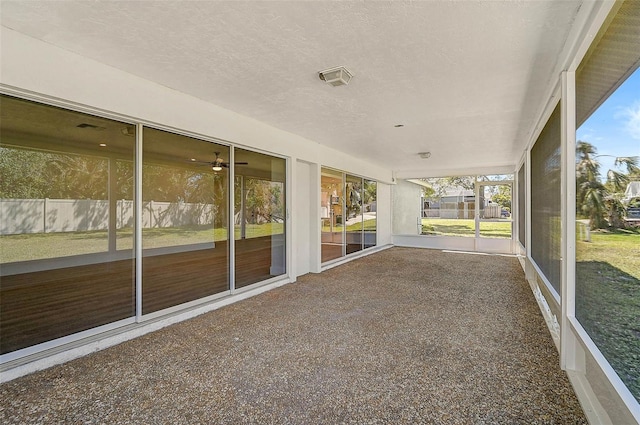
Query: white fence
point(492, 211)
point(448, 213)
point(19, 216)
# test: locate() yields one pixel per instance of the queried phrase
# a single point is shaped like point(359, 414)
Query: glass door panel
point(184, 220)
point(259, 217)
point(369, 208)
point(66, 258)
point(354, 213)
point(332, 214)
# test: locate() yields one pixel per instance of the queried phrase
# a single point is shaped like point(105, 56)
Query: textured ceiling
point(465, 78)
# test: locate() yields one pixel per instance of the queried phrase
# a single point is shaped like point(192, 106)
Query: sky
point(614, 128)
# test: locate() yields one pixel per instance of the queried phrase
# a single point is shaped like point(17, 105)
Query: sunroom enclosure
point(586, 283)
point(545, 206)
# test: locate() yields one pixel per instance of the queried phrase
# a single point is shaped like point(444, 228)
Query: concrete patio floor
point(403, 336)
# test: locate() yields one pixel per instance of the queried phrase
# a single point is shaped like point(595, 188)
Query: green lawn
point(50, 245)
point(608, 299)
point(465, 227)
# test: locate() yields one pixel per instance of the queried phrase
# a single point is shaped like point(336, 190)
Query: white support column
point(529, 270)
point(290, 229)
point(568, 216)
point(315, 226)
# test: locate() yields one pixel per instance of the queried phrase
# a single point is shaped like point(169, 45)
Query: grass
point(37, 246)
point(465, 227)
point(369, 226)
point(608, 299)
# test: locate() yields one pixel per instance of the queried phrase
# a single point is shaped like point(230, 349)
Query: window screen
point(612, 58)
point(607, 269)
point(545, 200)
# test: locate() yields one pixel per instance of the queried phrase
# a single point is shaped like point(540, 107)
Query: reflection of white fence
point(18, 216)
point(431, 213)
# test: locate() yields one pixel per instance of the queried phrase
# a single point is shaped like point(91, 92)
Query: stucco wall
point(406, 207)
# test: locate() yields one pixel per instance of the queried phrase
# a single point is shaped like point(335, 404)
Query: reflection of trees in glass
point(162, 183)
point(28, 174)
point(264, 201)
point(370, 192)
point(353, 199)
point(601, 202)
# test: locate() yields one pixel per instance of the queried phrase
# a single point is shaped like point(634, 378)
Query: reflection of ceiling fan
point(218, 164)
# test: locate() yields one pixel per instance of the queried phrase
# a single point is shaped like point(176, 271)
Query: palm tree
point(596, 200)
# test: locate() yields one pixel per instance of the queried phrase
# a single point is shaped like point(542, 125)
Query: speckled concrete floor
point(404, 336)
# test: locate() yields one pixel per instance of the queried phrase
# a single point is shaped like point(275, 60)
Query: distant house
point(632, 193)
point(453, 203)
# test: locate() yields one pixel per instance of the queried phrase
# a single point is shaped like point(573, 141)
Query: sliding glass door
point(184, 220)
point(332, 214)
point(69, 221)
point(347, 213)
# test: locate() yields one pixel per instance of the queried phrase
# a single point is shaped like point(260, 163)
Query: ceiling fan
point(218, 164)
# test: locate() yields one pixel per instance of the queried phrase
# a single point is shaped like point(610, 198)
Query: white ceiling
point(465, 78)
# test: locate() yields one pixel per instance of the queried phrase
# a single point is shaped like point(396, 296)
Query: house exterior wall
point(38, 71)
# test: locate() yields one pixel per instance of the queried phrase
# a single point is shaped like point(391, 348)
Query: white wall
point(383, 235)
point(405, 207)
point(302, 230)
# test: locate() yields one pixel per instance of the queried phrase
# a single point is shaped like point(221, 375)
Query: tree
point(598, 201)
point(503, 197)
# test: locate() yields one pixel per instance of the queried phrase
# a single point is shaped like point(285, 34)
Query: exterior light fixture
point(425, 155)
point(103, 145)
point(338, 76)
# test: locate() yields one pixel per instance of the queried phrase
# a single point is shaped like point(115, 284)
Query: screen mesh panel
point(545, 200)
point(609, 61)
point(521, 207)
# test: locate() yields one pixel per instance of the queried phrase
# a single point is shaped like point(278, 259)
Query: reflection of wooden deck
point(333, 251)
point(41, 306)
